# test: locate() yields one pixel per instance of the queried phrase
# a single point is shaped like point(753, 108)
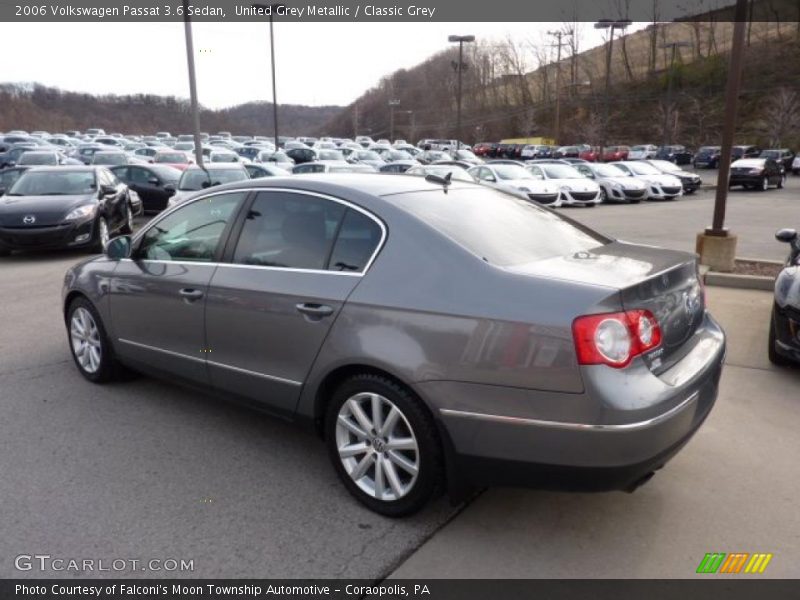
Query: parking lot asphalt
point(733, 488)
point(752, 216)
point(146, 469)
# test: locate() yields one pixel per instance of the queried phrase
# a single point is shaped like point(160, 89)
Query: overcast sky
point(317, 63)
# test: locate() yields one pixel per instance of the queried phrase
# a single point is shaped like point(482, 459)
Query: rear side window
point(498, 228)
point(358, 238)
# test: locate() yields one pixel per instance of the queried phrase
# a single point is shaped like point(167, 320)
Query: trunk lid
point(662, 281)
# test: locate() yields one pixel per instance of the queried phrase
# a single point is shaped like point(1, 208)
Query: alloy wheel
point(764, 184)
point(85, 338)
point(377, 446)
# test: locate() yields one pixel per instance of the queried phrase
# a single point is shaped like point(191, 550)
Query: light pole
point(392, 105)
point(187, 30)
point(668, 108)
point(611, 25)
point(460, 39)
point(716, 245)
point(558, 35)
point(270, 10)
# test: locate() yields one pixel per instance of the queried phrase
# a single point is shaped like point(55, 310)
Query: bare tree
point(780, 117)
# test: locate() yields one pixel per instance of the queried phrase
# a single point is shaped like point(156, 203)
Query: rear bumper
point(626, 424)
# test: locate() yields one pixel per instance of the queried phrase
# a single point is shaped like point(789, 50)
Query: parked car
point(416, 319)
point(64, 207)
point(690, 181)
point(515, 179)
point(590, 154)
point(466, 155)
point(738, 152)
point(796, 165)
point(615, 153)
point(154, 184)
point(172, 158)
point(331, 167)
point(784, 156)
point(195, 179)
point(398, 166)
point(574, 188)
point(642, 151)
point(13, 153)
point(257, 171)
point(33, 158)
point(707, 157)
point(429, 156)
point(110, 158)
point(616, 185)
point(533, 151)
point(485, 149)
point(757, 173)
point(675, 154)
point(279, 159)
point(456, 172)
point(301, 155)
point(367, 157)
point(566, 152)
point(783, 347)
point(660, 186)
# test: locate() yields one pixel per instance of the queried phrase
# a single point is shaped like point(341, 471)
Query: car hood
point(661, 179)
point(535, 186)
point(46, 210)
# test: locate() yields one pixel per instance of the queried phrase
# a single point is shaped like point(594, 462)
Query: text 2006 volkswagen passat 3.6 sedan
point(439, 336)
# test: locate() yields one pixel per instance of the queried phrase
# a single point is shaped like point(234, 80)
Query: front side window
point(288, 230)
point(191, 233)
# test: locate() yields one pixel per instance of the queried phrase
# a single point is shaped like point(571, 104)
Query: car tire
point(603, 195)
point(393, 483)
point(89, 345)
point(764, 184)
point(782, 182)
point(127, 227)
point(101, 236)
point(776, 359)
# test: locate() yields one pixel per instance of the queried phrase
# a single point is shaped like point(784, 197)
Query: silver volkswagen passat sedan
point(438, 335)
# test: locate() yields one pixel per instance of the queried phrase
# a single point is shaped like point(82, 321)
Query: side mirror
point(107, 190)
point(787, 236)
point(170, 189)
point(153, 181)
point(118, 248)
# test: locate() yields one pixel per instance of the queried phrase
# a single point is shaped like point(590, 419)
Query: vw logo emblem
point(29, 219)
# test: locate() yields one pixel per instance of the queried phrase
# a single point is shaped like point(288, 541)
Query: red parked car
point(614, 153)
point(590, 154)
point(484, 148)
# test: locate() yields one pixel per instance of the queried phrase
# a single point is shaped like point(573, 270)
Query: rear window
point(502, 230)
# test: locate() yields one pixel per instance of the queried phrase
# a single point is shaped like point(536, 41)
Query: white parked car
point(642, 152)
point(575, 189)
point(660, 186)
point(517, 180)
point(616, 185)
point(796, 165)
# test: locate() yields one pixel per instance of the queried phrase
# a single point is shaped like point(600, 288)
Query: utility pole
point(611, 25)
point(270, 9)
point(460, 39)
point(355, 120)
point(716, 245)
point(670, 76)
point(392, 105)
point(558, 35)
point(187, 29)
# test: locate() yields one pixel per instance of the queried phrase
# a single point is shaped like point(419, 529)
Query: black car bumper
point(71, 235)
point(745, 179)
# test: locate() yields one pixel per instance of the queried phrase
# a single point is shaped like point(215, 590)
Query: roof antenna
point(443, 181)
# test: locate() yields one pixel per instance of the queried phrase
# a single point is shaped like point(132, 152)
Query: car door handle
point(191, 294)
point(314, 310)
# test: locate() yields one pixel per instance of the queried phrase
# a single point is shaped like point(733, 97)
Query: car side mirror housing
point(118, 248)
point(787, 236)
point(170, 189)
point(107, 190)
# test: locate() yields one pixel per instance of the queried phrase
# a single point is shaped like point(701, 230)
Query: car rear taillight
point(614, 339)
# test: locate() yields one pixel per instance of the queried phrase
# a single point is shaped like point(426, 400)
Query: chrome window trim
point(210, 362)
point(363, 211)
point(574, 426)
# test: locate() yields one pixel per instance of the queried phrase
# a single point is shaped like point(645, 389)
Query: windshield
point(109, 158)
point(171, 157)
point(609, 171)
point(38, 158)
point(665, 165)
point(561, 172)
point(766, 154)
point(330, 155)
point(643, 168)
point(497, 228)
point(193, 179)
point(512, 172)
point(53, 183)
